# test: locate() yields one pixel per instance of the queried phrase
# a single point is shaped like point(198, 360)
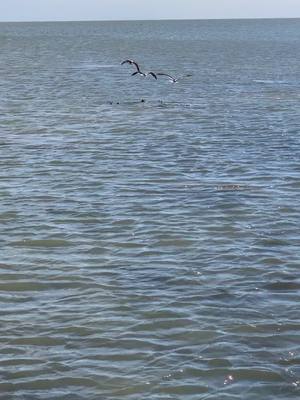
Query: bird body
point(138, 73)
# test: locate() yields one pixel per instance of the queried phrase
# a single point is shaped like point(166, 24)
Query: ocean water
point(150, 250)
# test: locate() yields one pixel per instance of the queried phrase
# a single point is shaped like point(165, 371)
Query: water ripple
point(149, 249)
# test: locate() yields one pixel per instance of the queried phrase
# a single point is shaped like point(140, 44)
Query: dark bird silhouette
point(138, 73)
point(132, 62)
point(152, 74)
point(138, 70)
point(145, 74)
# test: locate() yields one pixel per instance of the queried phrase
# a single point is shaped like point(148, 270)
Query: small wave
point(270, 82)
point(42, 243)
point(95, 66)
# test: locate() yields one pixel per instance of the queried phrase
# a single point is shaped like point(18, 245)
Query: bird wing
point(169, 76)
point(131, 62)
point(126, 62)
point(136, 66)
point(153, 74)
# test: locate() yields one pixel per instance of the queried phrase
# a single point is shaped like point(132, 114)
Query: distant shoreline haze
point(141, 10)
point(151, 20)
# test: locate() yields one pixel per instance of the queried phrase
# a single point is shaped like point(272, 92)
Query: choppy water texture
point(150, 250)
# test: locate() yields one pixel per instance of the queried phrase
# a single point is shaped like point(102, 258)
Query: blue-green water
point(150, 250)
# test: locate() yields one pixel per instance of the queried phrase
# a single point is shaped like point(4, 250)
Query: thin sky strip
point(75, 10)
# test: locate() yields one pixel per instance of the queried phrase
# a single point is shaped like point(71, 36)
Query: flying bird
point(132, 62)
point(138, 70)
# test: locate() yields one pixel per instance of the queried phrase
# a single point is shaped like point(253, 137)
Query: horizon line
point(144, 19)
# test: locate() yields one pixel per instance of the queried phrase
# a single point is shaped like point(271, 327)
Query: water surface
point(150, 250)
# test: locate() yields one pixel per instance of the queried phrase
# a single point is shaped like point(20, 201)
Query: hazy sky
point(31, 10)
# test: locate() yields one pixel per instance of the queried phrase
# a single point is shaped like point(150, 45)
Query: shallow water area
point(150, 249)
